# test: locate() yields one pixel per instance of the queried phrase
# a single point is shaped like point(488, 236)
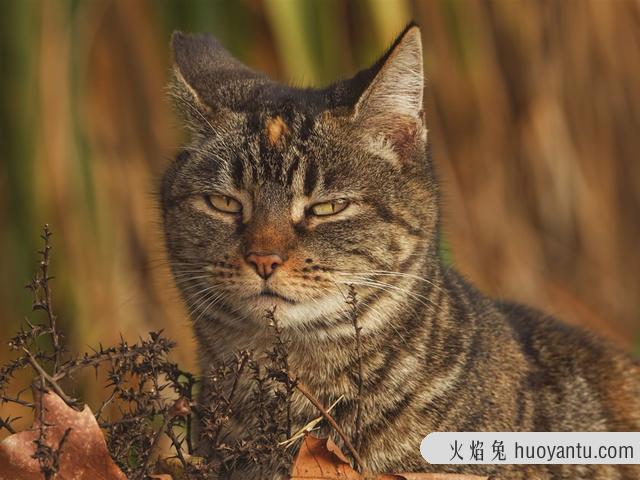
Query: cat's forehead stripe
point(275, 147)
point(276, 130)
point(310, 177)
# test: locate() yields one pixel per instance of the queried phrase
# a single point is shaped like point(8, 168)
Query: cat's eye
point(329, 208)
point(223, 203)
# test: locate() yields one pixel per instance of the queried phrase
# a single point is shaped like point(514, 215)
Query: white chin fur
point(295, 314)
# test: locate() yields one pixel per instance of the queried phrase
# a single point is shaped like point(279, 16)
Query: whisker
point(197, 299)
point(186, 279)
point(389, 288)
point(392, 273)
point(213, 299)
point(371, 307)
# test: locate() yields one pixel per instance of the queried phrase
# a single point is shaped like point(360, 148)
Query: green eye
point(329, 208)
point(223, 203)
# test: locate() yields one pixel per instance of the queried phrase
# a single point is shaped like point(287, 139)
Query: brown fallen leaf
point(84, 455)
point(321, 459)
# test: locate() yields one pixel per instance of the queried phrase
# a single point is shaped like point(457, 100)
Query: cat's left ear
point(390, 107)
point(207, 78)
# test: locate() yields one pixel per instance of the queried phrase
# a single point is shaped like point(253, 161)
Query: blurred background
point(534, 116)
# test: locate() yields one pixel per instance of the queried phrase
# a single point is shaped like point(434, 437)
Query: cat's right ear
point(205, 76)
point(388, 106)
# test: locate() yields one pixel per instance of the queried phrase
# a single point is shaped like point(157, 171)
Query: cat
point(285, 197)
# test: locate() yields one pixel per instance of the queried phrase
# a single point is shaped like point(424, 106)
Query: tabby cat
point(285, 196)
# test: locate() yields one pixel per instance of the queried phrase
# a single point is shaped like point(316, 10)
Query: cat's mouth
point(269, 294)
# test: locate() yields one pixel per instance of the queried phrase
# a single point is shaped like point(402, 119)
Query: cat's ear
point(205, 75)
point(390, 106)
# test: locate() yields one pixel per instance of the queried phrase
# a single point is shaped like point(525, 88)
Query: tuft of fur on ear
point(390, 108)
point(207, 78)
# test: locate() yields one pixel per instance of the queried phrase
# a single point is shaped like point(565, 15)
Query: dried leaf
point(84, 455)
point(321, 459)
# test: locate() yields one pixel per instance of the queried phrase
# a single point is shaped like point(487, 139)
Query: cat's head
point(285, 196)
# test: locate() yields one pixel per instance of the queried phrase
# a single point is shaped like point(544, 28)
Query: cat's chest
point(322, 362)
point(325, 371)
point(324, 368)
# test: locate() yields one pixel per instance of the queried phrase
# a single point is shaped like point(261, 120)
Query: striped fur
point(437, 354)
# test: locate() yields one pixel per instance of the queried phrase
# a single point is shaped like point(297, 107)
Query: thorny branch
point(280, 370)
point(316, 403)
point(147, 390)
point(45, 303)
point(140, 375)
point(352, 302)
point(47, 379)
point(47, 456)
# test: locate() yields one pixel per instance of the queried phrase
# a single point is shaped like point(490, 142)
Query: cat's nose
point(264, 264)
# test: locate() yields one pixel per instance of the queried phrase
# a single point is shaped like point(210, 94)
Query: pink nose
point(264, 265)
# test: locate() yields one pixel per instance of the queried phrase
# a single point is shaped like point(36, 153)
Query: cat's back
point(581, 381)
